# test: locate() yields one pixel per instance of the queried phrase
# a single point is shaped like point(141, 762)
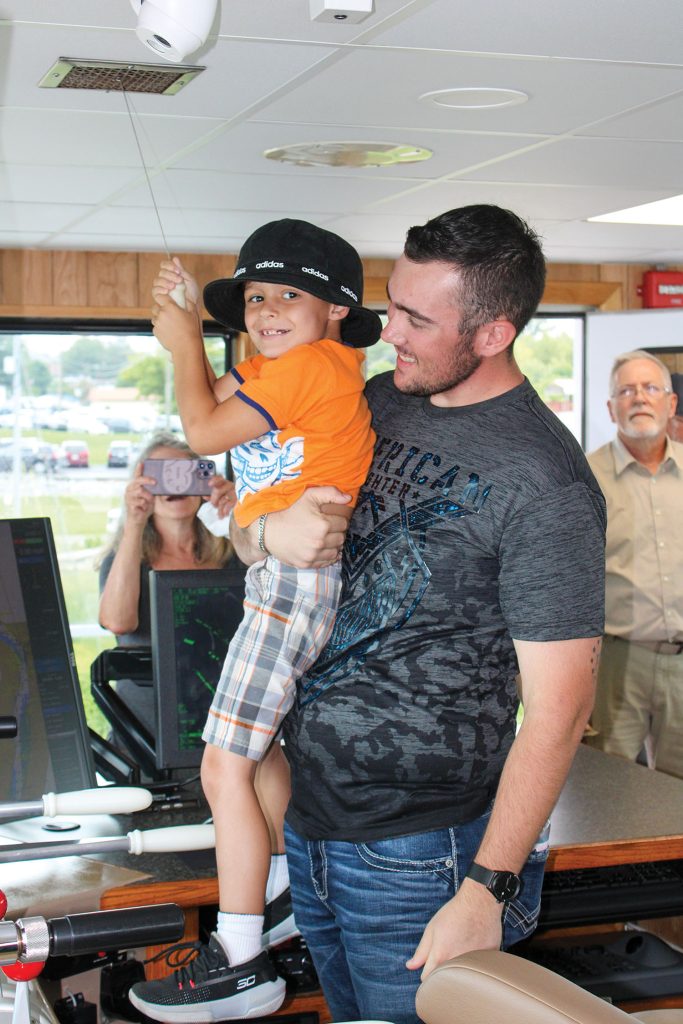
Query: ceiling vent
point(114, 76)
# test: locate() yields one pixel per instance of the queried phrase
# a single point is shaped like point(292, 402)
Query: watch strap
point(503, 885)
point(481, 874)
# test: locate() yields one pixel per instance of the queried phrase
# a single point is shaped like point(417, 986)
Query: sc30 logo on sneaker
point(246, 982)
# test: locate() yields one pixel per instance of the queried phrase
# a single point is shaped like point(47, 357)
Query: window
point(75, 409)
point(550, 353)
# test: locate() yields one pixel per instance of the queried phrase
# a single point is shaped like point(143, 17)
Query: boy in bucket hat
point(294, 417)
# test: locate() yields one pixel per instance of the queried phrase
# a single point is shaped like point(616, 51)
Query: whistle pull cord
point(178, 293)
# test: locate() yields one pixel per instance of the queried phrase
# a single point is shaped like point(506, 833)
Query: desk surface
point(62, 885)
point(612, 811)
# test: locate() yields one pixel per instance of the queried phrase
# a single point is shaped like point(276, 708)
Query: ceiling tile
point(609, 30)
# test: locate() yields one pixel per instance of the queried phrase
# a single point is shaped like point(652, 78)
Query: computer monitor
point(195, 613)
point(38, 680)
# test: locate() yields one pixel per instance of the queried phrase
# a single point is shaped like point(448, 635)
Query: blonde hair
point(207, 548)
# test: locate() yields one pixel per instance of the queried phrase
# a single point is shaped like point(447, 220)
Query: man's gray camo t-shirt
point(476, 525)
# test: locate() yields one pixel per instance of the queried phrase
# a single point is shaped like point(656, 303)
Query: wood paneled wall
point(89, 285)
point(116, 285)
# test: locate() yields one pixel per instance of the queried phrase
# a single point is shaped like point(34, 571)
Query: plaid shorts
point(288, 617)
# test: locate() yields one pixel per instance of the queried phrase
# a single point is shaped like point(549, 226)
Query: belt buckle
point(669, 647)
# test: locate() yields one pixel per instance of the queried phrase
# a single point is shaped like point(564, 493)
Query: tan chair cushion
point(490, 987)
point(658, 1016)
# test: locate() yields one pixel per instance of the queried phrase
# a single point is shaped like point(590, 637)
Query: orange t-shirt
point(312, 396)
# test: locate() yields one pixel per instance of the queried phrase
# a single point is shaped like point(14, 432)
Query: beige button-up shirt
point(644, 553)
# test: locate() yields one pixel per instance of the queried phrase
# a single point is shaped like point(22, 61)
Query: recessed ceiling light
point(663, 211)
point(475, 97)
point(348, 154)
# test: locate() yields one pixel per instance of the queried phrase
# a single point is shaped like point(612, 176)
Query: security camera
point(174, 28)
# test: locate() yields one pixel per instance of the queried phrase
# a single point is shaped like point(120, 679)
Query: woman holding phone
point(159, 531)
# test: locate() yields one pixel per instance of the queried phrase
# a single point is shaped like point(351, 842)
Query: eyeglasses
point(651, 390)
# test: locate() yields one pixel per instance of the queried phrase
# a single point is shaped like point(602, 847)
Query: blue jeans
point(362, 908)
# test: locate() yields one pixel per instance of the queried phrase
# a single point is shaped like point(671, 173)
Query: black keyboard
point(616, 893)
point(628, 965)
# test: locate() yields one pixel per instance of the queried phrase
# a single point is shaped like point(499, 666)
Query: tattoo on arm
point(595, 657)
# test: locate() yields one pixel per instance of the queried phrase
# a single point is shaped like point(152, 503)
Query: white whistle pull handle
point(175, 839)
point(104, 800)
point(178, 296)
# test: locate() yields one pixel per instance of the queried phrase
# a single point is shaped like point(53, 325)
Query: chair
point(110, 666)
point(491, 987)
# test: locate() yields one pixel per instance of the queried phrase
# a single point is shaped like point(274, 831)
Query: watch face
point(505, 886)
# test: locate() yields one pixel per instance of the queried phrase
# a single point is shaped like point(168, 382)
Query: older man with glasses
point(640, 683)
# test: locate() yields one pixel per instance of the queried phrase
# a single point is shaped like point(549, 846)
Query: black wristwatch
point(503, 885)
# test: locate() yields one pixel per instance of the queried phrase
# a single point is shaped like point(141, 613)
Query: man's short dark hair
point(497, 255)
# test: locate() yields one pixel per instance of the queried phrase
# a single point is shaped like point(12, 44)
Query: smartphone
point(179, 476)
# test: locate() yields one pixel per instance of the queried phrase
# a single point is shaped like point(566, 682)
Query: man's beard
point(640, 429)
point(463, 364)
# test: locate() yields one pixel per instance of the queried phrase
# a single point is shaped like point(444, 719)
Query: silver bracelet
point(261, 533)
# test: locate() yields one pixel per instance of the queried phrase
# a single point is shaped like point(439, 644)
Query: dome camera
point(174, 28)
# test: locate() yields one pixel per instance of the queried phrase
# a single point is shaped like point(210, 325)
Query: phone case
point(179, 476)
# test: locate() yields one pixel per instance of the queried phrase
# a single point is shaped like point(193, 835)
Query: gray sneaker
point(208, 989)
point(278, 920)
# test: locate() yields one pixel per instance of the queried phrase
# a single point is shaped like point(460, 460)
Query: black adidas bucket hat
point(304, 256)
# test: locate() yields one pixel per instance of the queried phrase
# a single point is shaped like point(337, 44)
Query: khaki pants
point(639, 695)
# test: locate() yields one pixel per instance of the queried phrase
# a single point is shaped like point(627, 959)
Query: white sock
point(240, 936)
point(278, 876)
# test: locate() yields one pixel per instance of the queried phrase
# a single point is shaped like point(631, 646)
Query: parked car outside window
point(74, 454)
point(39, 456)
point(119, 454)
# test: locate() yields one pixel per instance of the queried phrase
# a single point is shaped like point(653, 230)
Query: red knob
point(23, 972)
point(3, 904)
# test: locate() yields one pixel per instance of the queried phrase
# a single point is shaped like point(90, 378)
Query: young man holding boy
point(476, 550)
